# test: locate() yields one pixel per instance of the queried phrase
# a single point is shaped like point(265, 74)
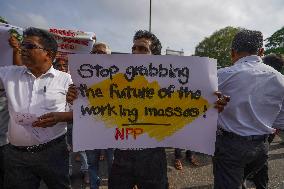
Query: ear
point(234, 56)
point(260, 52)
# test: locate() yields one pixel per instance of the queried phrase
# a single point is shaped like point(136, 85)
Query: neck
point(241, 55)
point(37, 72)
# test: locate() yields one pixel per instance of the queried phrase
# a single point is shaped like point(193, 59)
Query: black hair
point(155, 47)
point(247, 41)
point(46, 39)
point(276, 61)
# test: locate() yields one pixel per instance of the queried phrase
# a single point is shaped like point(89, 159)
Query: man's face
point(32, 52)
point(141, 46)
point(99, 49)
point(61, 65)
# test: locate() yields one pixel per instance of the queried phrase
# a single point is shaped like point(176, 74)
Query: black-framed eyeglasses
point(30, 46)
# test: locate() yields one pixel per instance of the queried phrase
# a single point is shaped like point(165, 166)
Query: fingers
point(72, 94)
point(218, 94)
point(220, 108)
point(221, 101)
point(48, 115)
point(46, 120)
point(14, 43)
point(227, 98)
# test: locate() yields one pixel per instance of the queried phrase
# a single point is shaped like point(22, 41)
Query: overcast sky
point(179, 24)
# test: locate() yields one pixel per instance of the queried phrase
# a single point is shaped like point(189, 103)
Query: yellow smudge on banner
point(156, 116)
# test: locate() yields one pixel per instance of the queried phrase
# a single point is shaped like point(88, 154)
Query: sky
point(179, 24)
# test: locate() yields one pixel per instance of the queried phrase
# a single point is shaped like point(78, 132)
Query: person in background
point(61, 64)
point(256, 106)
point(95, 155)
point(260, 179)
point(190, 157)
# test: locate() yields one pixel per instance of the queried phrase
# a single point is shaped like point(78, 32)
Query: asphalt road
point(200, 177)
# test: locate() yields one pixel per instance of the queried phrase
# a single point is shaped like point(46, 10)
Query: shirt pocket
point(54, 99)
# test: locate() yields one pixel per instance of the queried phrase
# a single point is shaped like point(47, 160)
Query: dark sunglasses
point(30, 46)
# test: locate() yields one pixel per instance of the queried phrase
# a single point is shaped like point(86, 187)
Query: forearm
point(17, 57)
point(65, 116)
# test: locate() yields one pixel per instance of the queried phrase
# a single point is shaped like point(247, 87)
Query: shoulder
point(13, 68)
point(64, 78)
point(62, 75)
point(228, 70)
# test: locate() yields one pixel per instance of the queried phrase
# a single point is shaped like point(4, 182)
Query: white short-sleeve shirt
point(28, 94)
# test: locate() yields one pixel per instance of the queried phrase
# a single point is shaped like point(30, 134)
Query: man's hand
point(72, 94)
point(221, 101)
point(52, 118)
point(48, 120)
point(14, 43)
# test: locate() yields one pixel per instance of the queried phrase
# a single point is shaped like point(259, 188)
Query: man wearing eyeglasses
point(36, 88)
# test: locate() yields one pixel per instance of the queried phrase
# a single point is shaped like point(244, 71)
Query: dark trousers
point(24, 170)
point(235, 159)
point(178, 155)
point(145, 168)
point(2, 166)
point(260, 179)
point(93, 164)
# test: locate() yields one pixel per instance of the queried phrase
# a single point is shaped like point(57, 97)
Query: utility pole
point(150, 15)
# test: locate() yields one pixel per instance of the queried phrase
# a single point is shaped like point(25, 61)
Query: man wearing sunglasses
point(36, 88)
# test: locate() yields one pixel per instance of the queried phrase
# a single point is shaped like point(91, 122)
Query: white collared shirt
point(257, 97)
point(28, 94)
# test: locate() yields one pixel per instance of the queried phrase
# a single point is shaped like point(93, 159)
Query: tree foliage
point(2, 20)
point(218, 46)
point(275, 43)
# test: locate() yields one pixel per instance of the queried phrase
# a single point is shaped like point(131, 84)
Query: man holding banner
point(121, 128)
point(146, 168)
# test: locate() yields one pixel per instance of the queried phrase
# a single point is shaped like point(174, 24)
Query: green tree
point(2, 20)
point(275, 43)
point(218, 46)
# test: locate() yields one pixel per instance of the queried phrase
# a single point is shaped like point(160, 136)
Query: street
point(200, 177)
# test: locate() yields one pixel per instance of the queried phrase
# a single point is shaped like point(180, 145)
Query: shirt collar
point(51, 72)
point(250, 59)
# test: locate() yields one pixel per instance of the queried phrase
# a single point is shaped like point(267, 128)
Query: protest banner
point(143, 101)
point(72, 41)
point(6, 52)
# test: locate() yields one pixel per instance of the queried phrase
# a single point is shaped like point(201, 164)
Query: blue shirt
point(257, 97)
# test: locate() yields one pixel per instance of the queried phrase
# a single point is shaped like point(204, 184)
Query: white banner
point(143, 101)
point(72, 41)
point(6, 51)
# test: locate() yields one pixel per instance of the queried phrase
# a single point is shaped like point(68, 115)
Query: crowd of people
point(250, 102)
